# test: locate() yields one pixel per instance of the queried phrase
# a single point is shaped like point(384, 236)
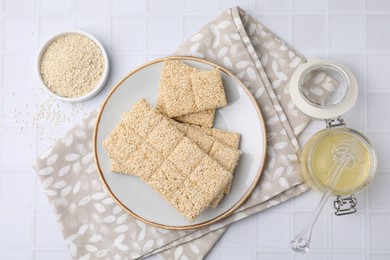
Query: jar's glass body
point(324, 152)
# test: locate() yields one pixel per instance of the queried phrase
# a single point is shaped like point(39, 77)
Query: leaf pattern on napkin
point(94, 226)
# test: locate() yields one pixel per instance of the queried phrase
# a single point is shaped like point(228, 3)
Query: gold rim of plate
point(231, 209)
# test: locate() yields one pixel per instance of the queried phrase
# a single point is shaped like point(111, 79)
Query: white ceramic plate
point(241, 115)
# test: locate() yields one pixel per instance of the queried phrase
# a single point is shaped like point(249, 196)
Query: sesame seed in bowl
point(73, 66)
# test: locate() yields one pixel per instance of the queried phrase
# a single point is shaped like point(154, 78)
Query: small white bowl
point(102, 81)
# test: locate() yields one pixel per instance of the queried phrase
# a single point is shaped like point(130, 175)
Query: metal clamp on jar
point(337, 160)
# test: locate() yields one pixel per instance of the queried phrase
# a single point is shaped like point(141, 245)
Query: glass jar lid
point(341, 97)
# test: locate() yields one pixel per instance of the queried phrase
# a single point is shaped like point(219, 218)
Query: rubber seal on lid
point(343, 96)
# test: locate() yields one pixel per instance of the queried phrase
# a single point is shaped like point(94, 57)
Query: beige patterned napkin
point(94, 226)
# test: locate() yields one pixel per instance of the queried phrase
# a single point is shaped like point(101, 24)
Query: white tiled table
point(356, 33)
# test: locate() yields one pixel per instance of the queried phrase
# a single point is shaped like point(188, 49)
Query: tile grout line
point(254, 217)
point(365, 128)
point(146, 16)
point(363, 89)
point(291, 27)
point(218, 253)
point(219, 10)
point(181, 9)
point(109, 24)
point(292, 231)
point(36, 100)
point(34, 210)
point(2, 19)
point(273, 13)
point(328, 215)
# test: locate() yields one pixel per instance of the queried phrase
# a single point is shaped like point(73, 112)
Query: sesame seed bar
point(230, 139)
point(169, 162)
point(220, 145)
point(189, 94)
point(202, 118)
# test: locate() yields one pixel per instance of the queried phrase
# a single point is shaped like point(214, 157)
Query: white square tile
point(126, 6)
point(378, 34)
point(212, 254)
point(154, 56)
point(51, 254)
point(123, 63)
point(56, 5)
point(20, 5)
point(92, 6)
point(47, 232)
point(286, 205)
point(381, 142)
point(361, 201)
point(278, 24)
point(273, 229)
point(309, 6)
point(15, 226)
point(377, 111)
point(234, 255)
point(100, 97)
point(309, 33)
point(164, 6)
point(51, 25)
point(379, 192)
point(377, 71)
point(272, 255)
point(348, 256)
point(17, 71)
point(345, 5)
point(239, 234)
point(313, 127)
point(54, 113)
point(346, 32)
point(130, 37)
point(313, 255)
point(354, 62)
point(348, 232)
point(379, 230)
point(21, 32)
point(378, 5)
point(307, 200)
point(15, 254)
point(201, 6)
point(47, 138)
point(16, 188)
point(319, 238)
point(158, 28)
point(97, 25)
point(192, 24)
point(17, 149)
point(18, 109)
point(355, 116)
point(244, 4)
point(272, 6)
point(41, 199)
point(379, 256)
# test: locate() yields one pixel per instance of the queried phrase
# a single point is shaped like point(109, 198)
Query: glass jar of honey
point(335, 148)
point(337, 160)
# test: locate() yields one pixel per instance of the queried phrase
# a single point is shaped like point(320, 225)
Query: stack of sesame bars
point(173, 147)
